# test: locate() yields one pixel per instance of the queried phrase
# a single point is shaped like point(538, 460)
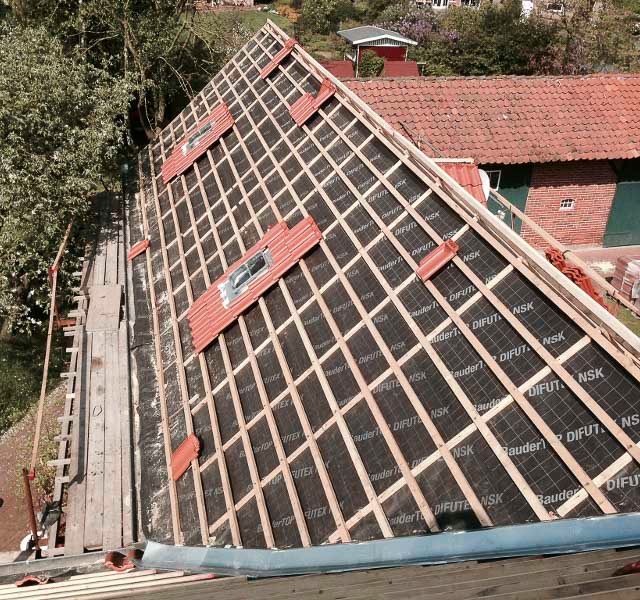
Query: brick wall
point(591, 184)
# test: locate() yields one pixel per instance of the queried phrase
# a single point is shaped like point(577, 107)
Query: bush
point(324, 16)
point(410, 21)
point(62, 123)
point(370, 65)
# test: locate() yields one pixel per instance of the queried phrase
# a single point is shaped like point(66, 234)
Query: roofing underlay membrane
point(354, 401)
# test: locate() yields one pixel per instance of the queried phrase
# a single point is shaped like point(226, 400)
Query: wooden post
point(45, 374)
point(28, 499)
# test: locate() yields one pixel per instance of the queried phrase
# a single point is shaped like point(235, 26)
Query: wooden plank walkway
point(98, 511)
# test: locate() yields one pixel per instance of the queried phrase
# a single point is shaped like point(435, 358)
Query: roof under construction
point(360, 348)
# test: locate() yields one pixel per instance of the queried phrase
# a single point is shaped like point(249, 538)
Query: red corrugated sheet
point(179, 162)
point(468, 176)
point(303, 108)
point(278, 58)
point(506, 120)
point(339, 68)
point(208, 317)
point(187, 451)
point(401, 68)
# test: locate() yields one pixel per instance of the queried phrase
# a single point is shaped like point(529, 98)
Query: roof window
point(196, 138)
point(239, 280)
point(248, 279)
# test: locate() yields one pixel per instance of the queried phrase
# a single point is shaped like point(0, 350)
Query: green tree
point(370, 65)
point(596, 36)
point(61, 126)
point(494, 39)
point(324, 16)
point(162, 46)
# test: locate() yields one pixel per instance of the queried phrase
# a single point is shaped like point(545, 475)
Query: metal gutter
point(552, 537)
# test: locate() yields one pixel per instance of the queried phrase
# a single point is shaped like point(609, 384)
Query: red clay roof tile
point(468, 176)
point(513, 119)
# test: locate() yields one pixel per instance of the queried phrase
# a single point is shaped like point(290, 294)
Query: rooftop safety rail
point(53, 314)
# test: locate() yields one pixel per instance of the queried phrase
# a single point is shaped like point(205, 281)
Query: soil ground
point(15, 453)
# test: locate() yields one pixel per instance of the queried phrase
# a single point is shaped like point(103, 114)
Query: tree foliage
point(409, 20)
point(61, 126)
point(325, 16)
point(165, 49)
point(596, 36)
point(370, 65)
point(73, 73)
point(497, 39)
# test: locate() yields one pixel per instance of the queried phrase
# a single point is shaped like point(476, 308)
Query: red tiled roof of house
point(513, 119)
point(401, 68)
point(468, 176)
point(339, 68)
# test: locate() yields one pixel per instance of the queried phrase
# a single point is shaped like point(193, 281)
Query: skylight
point(239, 280)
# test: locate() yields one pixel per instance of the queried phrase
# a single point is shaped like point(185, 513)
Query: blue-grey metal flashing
point(553, 537)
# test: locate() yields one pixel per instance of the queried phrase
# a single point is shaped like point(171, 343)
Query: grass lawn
point(251, 19)
point(625, 316)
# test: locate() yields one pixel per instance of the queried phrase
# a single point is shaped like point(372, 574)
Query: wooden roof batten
point(599, 328)
point(327, 390)
point(295, 501)
point(479, 217)
point(575, 387)
point(622, 354)
point(173, 497)
point(473, 500)
point(195, 468)
point(542, 427)
point(365, 389)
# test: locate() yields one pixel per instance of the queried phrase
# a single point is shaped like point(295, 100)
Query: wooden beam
point(569, 254)
point(534, 417)
point(491, 229)
point(233, 388)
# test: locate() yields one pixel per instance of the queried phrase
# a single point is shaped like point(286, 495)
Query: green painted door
point(514, 184)
point(623, 226)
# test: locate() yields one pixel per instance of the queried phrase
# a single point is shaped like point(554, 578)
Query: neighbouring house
point(566, 150)
point(387, 44)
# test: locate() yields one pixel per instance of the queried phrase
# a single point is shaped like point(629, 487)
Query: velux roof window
point(196, 142)
point(196, 138)
point(248, 279)
point(239, 280)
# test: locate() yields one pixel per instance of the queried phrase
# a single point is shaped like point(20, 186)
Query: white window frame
point(195, 139)
point(229, 292)
point(490, 174)
point(567, 204)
